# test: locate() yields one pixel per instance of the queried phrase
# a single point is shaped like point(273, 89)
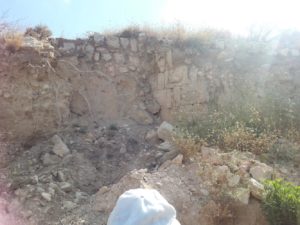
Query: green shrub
point(281, 203)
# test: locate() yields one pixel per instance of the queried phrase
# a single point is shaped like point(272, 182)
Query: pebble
point(65, 186)
point(46, 196)
point(69, 205)
point(61, 176)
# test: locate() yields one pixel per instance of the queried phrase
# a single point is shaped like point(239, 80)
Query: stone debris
point(60, 148)
point(73, 184)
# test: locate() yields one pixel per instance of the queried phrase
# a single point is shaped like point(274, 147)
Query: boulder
point(233, 180)
point(256, 189)
point(124, 42)
point(261, 172)
point(151, 136)
point(141, 116)
point(113, 42)
point(166, 131)
point(178, 160)
point(133, 45)
point(59, 148)
point(241, 195)
point(106, 57)
point(50, 159)
point(65, 186)
point(46, 196)
point(119, 58)
point(166, 146)
point(89, 50)
point(152, 106)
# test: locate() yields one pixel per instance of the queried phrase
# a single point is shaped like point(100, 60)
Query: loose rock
point(65, 186)
point(242, 195)
point(46, 196)
point(68, 205)
point(261, 172)
point(60, 148)
point(165, 131)
point(256, 189)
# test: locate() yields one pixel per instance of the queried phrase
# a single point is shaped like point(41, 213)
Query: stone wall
point(166, 78)
point(139, 77)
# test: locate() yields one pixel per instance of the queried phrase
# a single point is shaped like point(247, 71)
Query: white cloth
point(142, 207)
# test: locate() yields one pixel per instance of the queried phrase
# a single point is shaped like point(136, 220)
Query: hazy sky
point(73, 18)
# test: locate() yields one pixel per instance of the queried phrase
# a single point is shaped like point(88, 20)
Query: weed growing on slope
point(13, 41)
point(281, 203)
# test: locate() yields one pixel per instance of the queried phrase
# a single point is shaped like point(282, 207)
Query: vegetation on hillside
point(249, 122)
point(281, 203)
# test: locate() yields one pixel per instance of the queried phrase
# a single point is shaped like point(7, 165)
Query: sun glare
point(235, 15)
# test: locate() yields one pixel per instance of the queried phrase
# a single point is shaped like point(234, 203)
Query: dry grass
point(217, 213)
point(243, 138)
point(187, 144)
point(39, 32)
point(179, 34)
point(244, 128)
point(13, 41)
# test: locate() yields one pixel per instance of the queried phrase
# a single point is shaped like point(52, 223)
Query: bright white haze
point(237, 16)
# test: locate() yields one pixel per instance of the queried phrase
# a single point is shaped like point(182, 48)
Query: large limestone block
point(124, 42)
point(261, 172)
point(178, 75)
point(166, 131)
point(256, 189)
point(113, 42)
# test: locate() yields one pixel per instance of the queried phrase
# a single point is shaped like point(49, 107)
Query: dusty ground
point(99, 156)
point(44, 186)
